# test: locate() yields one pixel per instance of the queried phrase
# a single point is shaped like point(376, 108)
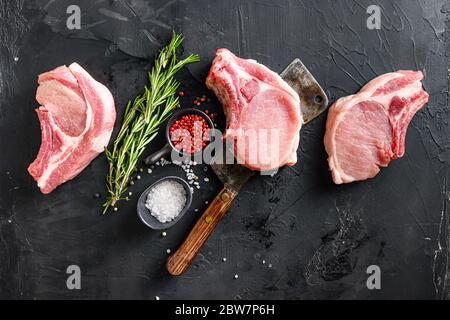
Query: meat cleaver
point(313, 101)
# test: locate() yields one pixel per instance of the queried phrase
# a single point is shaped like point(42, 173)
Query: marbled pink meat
point(262, 110)
point(367, 130)
point(77, 116)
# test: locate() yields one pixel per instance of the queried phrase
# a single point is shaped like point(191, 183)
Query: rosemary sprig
point(142, 119)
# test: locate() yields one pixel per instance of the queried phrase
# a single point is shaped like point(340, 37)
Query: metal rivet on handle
point(208, 219)
point(225, 196)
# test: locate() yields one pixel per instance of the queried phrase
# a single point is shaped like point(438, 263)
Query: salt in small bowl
point(145, 214)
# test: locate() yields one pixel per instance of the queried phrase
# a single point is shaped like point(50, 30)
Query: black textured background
point(317, 238)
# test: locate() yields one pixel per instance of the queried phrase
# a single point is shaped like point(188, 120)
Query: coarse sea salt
point(166, 200)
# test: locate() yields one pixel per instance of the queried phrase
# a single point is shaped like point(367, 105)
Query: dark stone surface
point(317, 239)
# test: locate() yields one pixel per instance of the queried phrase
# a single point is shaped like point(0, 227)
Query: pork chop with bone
point(77, 116)
point(262, 111)
point(366, 131)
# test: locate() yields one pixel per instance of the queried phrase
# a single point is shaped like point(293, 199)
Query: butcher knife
point(313, 101)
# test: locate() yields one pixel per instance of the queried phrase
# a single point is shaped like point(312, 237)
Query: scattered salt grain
point(138, 177)
point(236, 276)
point(16, 59)
point(149, 171)
point(130, 193)
point(224, 259)
point(163, 162)
point(164, 234)
point(168, 251)
point(116, 209)
point(187, 167)
point(206, 179)
point(166, 200)
point(156, 298)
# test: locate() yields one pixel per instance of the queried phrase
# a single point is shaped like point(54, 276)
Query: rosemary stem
point(142, 118)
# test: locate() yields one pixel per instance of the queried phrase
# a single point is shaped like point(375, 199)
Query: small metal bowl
point(145, 214)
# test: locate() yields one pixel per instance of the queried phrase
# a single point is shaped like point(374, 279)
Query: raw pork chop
point(77, 116)
point(367, 130)
point(263, 111)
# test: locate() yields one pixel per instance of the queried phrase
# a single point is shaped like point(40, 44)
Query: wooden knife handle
point(183, 257)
